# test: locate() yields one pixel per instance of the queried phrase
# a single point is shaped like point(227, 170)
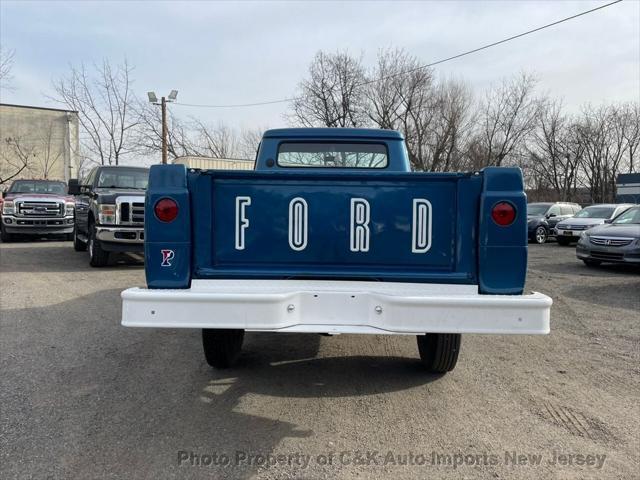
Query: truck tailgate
point(394, 227)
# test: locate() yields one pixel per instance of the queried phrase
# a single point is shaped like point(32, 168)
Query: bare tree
point(385, 85)
point(148, 136)
point(507, 117)
point(451, 127)
point(400, 96)
point(192, 137)
point(554, 160)
point(103, 99)
point(332, 95)
point(628, 120)
point(217, 141)
point(49, 155)
point(248, 141)
point(17, 155)
point(603, 144)
point(84, 164)
point(7, 58)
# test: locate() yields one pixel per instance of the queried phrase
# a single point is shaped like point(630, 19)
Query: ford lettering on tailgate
point(368, 223)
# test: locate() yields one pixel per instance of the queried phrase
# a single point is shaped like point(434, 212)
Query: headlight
point(69, 208)
point(8, 208)
point(107, 214)
point(561, 226)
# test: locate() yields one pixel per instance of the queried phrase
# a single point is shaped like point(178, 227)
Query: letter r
point(359, 232)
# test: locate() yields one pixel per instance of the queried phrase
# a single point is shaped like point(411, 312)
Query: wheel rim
point(541, 235)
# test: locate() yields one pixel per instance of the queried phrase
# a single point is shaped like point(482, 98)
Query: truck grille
point(39, 209)
point(130, 211)
point(611, 241)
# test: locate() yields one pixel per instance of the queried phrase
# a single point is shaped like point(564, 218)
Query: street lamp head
point(173, 95)
point(152, 97)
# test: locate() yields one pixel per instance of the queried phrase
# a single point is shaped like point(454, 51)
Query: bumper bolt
point(378, 309)
point(290, 308)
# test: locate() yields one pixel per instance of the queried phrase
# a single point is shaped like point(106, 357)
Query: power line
point(421, 67)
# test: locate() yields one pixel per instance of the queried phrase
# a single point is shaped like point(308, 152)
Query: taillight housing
point(166, 210)
point(503, 213)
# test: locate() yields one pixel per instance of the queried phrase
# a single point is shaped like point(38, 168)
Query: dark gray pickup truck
point(109, 211)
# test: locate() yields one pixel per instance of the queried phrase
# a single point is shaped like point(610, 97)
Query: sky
point(245, 51)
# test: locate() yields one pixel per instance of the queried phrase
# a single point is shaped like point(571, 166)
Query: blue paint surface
point(467, 247)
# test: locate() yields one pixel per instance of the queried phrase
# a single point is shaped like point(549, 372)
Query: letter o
point(298, 223)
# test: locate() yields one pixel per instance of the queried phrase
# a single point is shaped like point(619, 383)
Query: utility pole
point(163, 107)
point(163, 104)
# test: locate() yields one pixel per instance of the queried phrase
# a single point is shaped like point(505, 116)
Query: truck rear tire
point(97, 256)
point(439, 351)
point(222, 347)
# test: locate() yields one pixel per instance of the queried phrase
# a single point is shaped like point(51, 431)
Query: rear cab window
point(332, 155)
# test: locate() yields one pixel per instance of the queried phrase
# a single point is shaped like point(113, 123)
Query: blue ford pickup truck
point(333, 234)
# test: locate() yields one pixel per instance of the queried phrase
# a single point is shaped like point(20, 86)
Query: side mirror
point(74, 186)
point(549, 215)
point(608, 220)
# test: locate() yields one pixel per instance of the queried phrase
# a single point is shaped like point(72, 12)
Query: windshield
point(333, 155)
point(537, 209)
point(124, 178)
point(630, 217)
point(26, 186)
point(595, 212)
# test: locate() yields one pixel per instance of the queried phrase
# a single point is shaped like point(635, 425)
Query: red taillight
point(503, 213)
point(166, 210)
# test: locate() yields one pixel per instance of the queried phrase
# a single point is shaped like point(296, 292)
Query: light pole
point(163, 105)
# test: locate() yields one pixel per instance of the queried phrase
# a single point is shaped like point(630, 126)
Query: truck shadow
point(134, 400)
point(286, 365)
point(41, 256)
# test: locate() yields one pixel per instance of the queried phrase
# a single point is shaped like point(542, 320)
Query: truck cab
point(332, 233)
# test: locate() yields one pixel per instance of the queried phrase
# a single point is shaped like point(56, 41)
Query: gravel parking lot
point(83, 397)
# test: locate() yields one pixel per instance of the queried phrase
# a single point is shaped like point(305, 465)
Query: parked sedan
point(617, 241)
point(569, 230)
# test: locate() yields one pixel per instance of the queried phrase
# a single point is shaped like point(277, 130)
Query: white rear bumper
point(336, 307)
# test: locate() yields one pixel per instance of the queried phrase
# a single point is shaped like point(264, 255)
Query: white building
point(210, 163)
point(38, 142)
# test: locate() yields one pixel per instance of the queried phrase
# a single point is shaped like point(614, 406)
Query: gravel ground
point(82, 397)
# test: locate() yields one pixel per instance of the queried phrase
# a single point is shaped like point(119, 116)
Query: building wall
point(47, 137)
point(628, 188)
